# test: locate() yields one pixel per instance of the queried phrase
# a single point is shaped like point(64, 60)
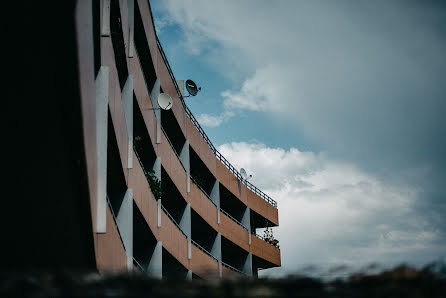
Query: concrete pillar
point(105, 27)
point(127, 102)
point(215, 197)
point(185, 160)
point(125, 225)
point(155, 267)
point(156, 90)
point(186, 227)
point(102, 82)
point(131, 18)
point(189, 275)
point(246, 222)
point(247, 267)
point(157, 170)
point(185, 221)
point(159, 212)
point(216, 252)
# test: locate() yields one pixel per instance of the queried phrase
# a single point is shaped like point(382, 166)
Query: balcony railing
point(264, 239)
point(140, 267)
point(202, 190)
point(204, 135)
point(141, 164)
point(173, 148)
point(173, 220)
point(233, 268)
point(114, 219)
point(236, 221)
point(204, 250)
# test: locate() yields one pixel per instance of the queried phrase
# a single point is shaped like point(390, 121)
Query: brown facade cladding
point(203, 223)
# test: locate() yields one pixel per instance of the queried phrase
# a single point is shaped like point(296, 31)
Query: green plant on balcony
point(155, 184)
point(269, 237)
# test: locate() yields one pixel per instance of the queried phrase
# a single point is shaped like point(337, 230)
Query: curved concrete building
point(163, 200)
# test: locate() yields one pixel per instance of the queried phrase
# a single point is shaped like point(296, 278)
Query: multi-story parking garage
point(162, 199)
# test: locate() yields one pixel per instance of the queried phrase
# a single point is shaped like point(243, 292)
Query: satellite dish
point(243, 173)
point(192, 87)
point(165, 101)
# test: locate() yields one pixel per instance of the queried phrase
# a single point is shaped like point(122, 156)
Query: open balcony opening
point(232, 254)
point(171, 198)
point(96, 36)
point(144, 241)
point(172, 130)
point(200, 174)
point(143, 50)
point(118, 42)
point(202, 233)
point(259, 264)
point(172, 268)
point(259, 222)
point(231, 205)
point(142, 144)
point(116, 185)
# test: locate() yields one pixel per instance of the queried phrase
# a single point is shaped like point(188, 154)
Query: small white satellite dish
point(243, 173)
point(165, 101)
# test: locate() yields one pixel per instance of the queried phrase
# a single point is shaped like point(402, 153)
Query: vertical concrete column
point(186, 227)
point(102, 82)
point(131, 17)
point(157, 170)
point(105, 27)
point(189, 275)
point(215, 197)
point(247, 267)
point(155, 267)
point(246, 222)
point(216, 252)
point(125, 225)
point(185, 160)
point(156, 90)
point(127, 102)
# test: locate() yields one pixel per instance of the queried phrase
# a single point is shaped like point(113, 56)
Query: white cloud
point(331, 212)
point(353, 77)
point(214, 121)
point(366, 81)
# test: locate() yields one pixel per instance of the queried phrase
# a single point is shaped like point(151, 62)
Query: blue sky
point(336, 108)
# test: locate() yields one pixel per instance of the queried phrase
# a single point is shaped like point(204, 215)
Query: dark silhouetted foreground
point(400, 282)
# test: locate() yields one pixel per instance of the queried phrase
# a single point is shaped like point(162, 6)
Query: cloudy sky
point(337, 109)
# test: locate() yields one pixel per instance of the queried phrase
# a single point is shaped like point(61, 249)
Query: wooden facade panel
point(200, 146)
point(143, 98)
point(203, 206)
point(110, 254)
point(143, 196)
point(262, 207)
point(203, 265)
point(228, 180)
point(229, 273)
point(87, 89)
point(149, 29)
point(125, 24)
point(173, 240)
point(172, 165)
point(234, 232)
point(115, 102)
point(265, 251)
